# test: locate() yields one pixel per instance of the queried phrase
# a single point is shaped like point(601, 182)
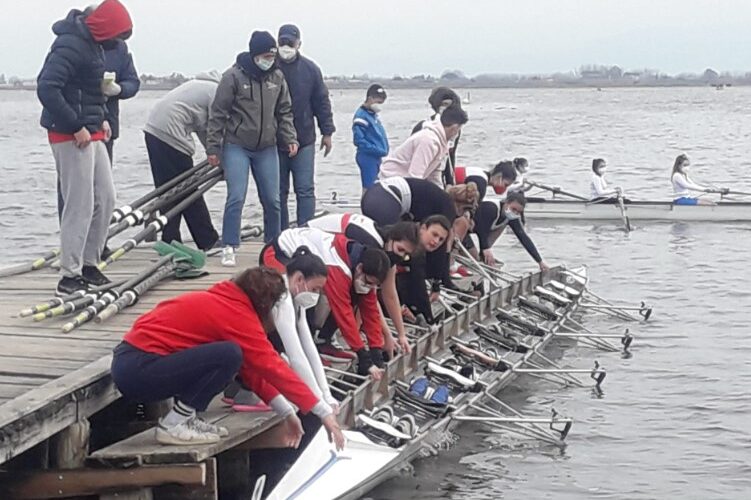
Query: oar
point(158, 224)
point(43, 261)
point(121, 212)
point(556, 190)
point(626, 221)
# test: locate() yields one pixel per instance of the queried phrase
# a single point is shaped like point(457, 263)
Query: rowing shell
point(321, 472)
point(728, 211)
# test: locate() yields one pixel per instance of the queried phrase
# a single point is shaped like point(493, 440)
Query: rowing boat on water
point(480, 347)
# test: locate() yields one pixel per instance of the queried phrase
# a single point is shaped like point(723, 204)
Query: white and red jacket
point(354, 226)
point(341, 257)
point(479, 177)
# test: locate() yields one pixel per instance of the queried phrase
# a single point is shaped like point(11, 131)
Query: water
point(673, 420)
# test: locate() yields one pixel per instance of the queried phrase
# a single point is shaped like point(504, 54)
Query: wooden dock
point(50, 380)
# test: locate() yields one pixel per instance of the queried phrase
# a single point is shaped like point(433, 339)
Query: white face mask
point(511, 215)
point(306, 300)
point(685, 167)
point(286, 52)
point(523, 170)
point(361, 287)
point(375, 107)
point(264, 64)
point(601, 170)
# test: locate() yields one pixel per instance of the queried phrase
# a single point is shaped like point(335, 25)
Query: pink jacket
point(421, 156)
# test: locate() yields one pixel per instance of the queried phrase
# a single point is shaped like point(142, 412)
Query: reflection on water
point(672, 421)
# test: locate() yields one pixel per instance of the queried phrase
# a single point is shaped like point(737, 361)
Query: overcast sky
point(387, 37)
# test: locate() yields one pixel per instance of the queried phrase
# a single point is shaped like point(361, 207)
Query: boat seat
point(528, 326)
point(556, 298)
point(573, 292)
point(537, 308)
point(464, 383)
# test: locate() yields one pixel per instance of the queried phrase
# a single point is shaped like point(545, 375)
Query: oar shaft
point(556, 190)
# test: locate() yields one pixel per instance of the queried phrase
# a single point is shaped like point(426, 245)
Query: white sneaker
point(228, 257)
point(203, 426)
point(184, 434)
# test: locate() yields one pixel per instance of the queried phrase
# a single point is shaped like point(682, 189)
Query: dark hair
point(439, 219)
point(519, 162)
point(402, 231)
point(376, 90)
point(505, 169)
point(454, 115)
point(440, 94)
point(678, 162)
point(517, 196)
point(263, 286)
point(375, 263)
point(596, 164)
point(308, 264)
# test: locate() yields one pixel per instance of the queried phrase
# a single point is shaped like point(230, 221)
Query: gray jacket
point(249, 112)
point(184, 111)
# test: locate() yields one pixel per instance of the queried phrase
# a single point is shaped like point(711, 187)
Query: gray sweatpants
point(88, 191)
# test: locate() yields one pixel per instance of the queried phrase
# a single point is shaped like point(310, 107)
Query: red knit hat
point(109, 20)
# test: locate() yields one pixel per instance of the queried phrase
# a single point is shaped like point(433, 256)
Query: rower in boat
point(191, 346)
point(599, 190)
point(491, 220)
point(354, 274)
point(683, 186)
point(400, 241)
point(500, 178)
point(521, 165)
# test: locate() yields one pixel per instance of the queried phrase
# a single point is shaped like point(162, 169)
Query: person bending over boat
point(191, 346)
point(422, 155)
point(491, 220)
point(354, 273)
point(500, 178)
point(400, 241)
point(683, 186)
point(599, 190)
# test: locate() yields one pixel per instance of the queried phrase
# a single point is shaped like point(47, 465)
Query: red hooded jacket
point(221, 313)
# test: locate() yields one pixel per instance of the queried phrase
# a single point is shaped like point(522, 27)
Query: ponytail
point(304, 261)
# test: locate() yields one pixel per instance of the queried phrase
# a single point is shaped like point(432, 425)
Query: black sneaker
point(106, 252)
point(68, 285)
point(93, 276)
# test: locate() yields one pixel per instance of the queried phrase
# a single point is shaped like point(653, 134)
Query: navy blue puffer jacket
point(69, 84)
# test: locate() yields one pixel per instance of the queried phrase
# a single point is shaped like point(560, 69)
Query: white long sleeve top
point(599, 187)
point(292, 327)
point(683, 186)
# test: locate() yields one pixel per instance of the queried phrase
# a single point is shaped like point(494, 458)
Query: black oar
point(43, 261)
point(557, 190)
point(158, 224)
point(121, 212)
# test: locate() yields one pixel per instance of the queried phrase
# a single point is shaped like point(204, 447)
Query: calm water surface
point(673, 421)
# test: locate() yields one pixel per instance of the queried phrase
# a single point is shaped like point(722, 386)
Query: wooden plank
point(10, 391)
point(143, 448)
point(46, 410)
point(80, 482)
point(28, 366)
point(208, 491)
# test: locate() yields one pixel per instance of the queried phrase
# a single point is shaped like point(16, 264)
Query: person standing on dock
point(422, 154)
point(71, 89)
point(440, 99)
point(191, 346)
point(310, 99)
point(369, 136)
point(251, 112)
point(169, 130)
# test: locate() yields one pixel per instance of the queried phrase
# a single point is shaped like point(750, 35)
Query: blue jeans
point(369, 165)
point(302, 167)
point(237, 163)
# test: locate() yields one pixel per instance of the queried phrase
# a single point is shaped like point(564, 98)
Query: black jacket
point(69, 84)
point(119, 60)
point(310, 99)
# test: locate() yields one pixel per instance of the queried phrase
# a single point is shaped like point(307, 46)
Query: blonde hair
point(465, 196)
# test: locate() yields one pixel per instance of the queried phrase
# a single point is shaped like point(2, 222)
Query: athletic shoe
point(228, 257)
point(184, 434)
point(203, 426)
point(94, 276)
point(459, 271)
point(228, 401)
point(68, 285)
point(331, 351)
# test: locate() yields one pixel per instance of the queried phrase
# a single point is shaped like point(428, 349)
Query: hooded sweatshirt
point(421, 156)
point(223, 313)
point(69, 84)
point(184, 111)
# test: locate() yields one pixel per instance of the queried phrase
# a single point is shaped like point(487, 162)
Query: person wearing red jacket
point(191, 346)
point(355, 273)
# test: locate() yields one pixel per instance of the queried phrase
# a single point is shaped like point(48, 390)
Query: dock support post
point(70, 446)
point(208, 491)
point(233, 467)
point(140, 494)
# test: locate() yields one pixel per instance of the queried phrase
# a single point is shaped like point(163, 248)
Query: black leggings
point(192, 376)
point(381, 206)
point(167, 163)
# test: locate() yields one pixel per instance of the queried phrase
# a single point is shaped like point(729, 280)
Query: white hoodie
point(422, 156)
point(184, 111)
